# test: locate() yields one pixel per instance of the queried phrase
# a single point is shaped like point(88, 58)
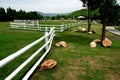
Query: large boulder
point(106, 42)
point(93, 45)
point(48, 64)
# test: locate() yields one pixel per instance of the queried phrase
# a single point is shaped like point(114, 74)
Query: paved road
point(113, 30)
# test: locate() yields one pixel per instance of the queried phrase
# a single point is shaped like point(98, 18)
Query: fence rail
point(47, 45)
point(41, 27)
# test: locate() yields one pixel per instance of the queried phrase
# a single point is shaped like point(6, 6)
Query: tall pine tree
point(91, 5)
point(106, 10)
point(3, 16)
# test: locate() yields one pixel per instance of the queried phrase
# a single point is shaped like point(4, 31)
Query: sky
point(46, 6)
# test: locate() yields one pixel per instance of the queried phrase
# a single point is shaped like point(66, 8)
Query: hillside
point(72, 14)
point(82, 12)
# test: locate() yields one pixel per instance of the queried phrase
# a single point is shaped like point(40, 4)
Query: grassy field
point(56, 22)
point(79, 62)
point(11, 41)
point(118, 28)
point(75, 62)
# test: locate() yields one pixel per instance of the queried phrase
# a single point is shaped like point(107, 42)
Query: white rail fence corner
point(48, 37)
point(41, 27)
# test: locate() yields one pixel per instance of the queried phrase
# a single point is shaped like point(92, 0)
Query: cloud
point(48, 6)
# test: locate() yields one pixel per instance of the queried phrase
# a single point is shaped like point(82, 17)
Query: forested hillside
point(77, 13)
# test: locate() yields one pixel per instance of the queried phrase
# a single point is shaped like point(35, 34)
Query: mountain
point(52, 14)
point(82, 12)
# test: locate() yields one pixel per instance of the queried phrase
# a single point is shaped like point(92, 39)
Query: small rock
point(107, 42)
point(80, 28)
point(89, 32)
point(48, 64)
point(93, 44)
point(97, 41)
point(93, 31)
point(74, 31)
point(63, 43)
point(57, 44)
point(83, 29)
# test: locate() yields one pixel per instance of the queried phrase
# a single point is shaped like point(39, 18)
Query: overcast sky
point(46, 6)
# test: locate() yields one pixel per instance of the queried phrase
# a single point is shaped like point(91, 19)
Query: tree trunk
point(104, 28)
point(89, 20)
point(104, 22)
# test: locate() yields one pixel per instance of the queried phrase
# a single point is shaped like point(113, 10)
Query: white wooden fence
point(47, 45)
point(41, 27)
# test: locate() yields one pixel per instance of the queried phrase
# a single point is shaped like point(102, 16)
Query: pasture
point(76, 62)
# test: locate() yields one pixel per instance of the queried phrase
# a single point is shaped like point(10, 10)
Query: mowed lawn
point(80, 62)
point(76, 62)
point(12, 40)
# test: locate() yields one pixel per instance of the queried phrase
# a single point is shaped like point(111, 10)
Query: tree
point(91, 5)
point(3, 16)
point(11, 14)
point(95, 15)
point(106, 10)
point(114, 16)
point(20, 15)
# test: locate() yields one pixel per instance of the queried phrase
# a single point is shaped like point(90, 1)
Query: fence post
point(39, 27)
point(46, 39)
point(61, 28)
point(11, 24)
point(32, 22)
point(72, 24)
point(69, 25)
point(24, 25)
point(66, 26)
point(37, 22)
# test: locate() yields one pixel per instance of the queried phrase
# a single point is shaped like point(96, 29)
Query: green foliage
point(12, 14)
point(3, 15)
point(77, 13)
point(58, 17)
point(92, 4)
point(95, 15)
point(114, 16)
point(110, 9)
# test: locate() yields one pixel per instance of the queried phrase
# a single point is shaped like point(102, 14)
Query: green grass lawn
point(11, 41)
point(118, 28)
point(56, 22)
point(80, 62)
point(76, 62)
